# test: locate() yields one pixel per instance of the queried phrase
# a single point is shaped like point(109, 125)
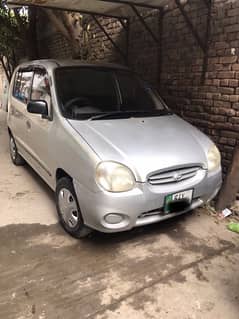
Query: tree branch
point(19, 20)
point(8, 75)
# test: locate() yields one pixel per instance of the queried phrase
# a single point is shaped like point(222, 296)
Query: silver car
point(107, 144)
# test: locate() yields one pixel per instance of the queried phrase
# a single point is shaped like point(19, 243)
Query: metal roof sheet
point(53, 63)
point(117, 8)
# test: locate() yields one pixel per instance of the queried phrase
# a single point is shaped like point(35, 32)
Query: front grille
point(173, 175)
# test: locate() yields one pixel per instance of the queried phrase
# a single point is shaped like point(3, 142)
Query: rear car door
point(18, 112)
point(38, 132)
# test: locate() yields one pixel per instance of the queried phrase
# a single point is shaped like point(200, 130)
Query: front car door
point(39, 127)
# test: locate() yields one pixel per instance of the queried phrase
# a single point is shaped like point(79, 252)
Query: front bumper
point(144, 204)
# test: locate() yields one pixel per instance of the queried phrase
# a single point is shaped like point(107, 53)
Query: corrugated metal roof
point(117, 8)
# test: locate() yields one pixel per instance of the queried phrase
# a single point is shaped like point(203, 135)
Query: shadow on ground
point(43, 271)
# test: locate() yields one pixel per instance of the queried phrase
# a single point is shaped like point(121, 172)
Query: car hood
point(146, 144)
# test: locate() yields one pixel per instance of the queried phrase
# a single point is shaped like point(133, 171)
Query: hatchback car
point(116, 156)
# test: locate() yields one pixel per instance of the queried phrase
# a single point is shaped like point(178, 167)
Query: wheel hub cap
point(13, 148)
point(68, 208)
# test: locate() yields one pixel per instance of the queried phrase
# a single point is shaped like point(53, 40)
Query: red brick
point(233, 83)
point(225, 98)
point(216, 82)
point(217, 118)
point(229, 134)
point(227, 141)
point(235, 106)
point(226, 111)
point(229, 59)
point(213, 60)
point(233, 12)
point(232, 28)
point(235, 67)
point(216, 96)
point(222, 104)
point(224, 82)
point(234, 98)
point(226, 90)
point(221, 45)
point(234, 120)
point(226, 75)
point(208, 82)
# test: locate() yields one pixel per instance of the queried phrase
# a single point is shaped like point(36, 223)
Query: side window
point(22, 86)
point(41, 87)
point(17, 85)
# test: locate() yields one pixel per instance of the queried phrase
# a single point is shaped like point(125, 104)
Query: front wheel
point(68, 209)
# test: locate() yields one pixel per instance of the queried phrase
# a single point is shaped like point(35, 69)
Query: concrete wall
point(1, 80)
point(212, 106)
point(2, 88)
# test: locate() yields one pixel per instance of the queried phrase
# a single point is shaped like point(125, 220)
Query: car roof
point(53, 64)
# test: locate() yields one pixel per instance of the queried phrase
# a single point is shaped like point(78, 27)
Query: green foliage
point(13, 25)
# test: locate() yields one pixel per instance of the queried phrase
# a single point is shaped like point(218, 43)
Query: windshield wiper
point(152, 113)
point(125, 115)
point(112, 115)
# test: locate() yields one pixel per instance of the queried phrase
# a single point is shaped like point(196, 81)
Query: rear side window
point(22, 87)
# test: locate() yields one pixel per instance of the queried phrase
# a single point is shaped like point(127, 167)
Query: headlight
point(114, 177)
point(213, 158)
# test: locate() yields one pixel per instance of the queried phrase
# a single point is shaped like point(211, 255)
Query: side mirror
point(38, 107)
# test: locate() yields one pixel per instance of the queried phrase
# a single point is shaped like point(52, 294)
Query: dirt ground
point(185, 268)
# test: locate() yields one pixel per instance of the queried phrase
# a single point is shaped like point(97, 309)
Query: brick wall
point(53, 45)
point(144, 53)
point(212, 106)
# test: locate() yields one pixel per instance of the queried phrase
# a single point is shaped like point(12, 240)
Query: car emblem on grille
point(177, 177)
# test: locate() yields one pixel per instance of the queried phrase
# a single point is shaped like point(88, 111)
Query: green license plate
point(181, 197)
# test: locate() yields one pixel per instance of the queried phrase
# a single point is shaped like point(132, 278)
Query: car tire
point(68, 209)
point(15, 156)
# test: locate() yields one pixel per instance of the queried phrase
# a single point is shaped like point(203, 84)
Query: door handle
point(28, 123)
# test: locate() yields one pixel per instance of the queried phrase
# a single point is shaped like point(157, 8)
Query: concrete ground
point(185, 268)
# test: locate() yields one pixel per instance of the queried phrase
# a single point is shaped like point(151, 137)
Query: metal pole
point(207, 36)
point(155, 38)
point(190, 25)
point(128, 41)
point(109, 38)
point(160, 46)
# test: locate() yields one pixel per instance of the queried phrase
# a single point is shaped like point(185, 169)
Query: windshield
point(95, 93)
